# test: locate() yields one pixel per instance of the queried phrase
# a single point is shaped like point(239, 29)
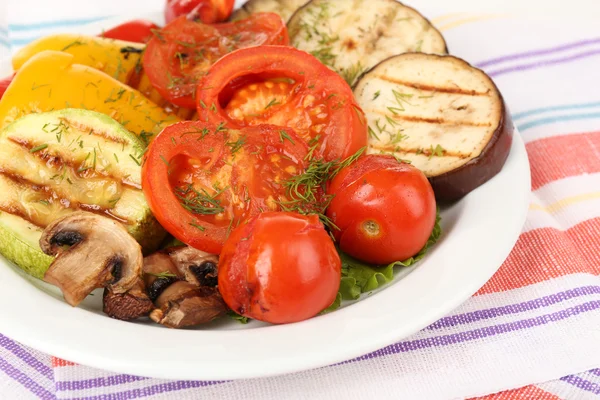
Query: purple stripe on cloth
point(582, 383)
point(516, 308)
point(595, 372)
point(152, 390)
point(24, 380)
point(541, 52)
point(25, 356)
point(540, 64)
point(488, 331)
point(97, 382)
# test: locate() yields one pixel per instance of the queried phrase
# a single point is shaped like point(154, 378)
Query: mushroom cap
point(197, 266)
point(132, 304)
point(183, 304)
point(91, 251)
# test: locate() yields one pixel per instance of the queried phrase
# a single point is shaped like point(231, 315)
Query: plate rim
point(78, 348)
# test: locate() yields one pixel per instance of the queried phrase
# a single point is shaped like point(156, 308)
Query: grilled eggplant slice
point(352, 36)
point(444, 116)
point(285, 8)
point(54, 163)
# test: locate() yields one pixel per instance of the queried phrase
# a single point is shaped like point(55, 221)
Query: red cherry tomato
point(4, 83)
point(207, 11)
point(280, 267)
point(385, 209)
point(138, 30)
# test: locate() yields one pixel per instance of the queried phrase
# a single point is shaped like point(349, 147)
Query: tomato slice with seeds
point(287, 87)
point(202, 180)
point(182, 52)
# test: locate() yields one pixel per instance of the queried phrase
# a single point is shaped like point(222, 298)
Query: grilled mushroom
point(127, 306)
point(159, 273)
point(197, 266)
point(91, 252)
point(181, 281)
point(183, 304)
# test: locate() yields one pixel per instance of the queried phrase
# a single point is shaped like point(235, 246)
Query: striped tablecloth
point(532, 332)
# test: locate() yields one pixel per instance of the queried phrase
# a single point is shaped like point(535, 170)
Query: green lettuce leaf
point(359, 277)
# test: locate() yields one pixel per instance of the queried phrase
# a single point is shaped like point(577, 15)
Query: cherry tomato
point(284, 86)
point(280, 267)
point(203, 180)
point(207, 11)
point(181, 53)
point(138, 30)
point(4, 83)
point(384, 209)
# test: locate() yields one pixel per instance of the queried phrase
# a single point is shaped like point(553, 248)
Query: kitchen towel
point(532, 332)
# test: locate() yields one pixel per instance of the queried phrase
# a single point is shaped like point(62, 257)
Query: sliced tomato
point(138, 30)
point(284, 86)
point(203, 180)
point(182, 52)
point(207, 11)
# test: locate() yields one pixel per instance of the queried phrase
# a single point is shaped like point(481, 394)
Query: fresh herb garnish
point(38, 148)
point(199, 201)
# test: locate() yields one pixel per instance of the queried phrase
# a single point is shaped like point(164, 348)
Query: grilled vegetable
point(52, 80)
point(285, 8)
point(54, 163)
point(444, 116)
point(116, 58)
point(119, 59)
point(352, 36)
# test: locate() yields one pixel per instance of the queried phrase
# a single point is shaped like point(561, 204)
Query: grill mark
point(93, 132)
point(53, 197)
point(436, 89)
point(424, 152)
point(437, 121)
point(57, 162)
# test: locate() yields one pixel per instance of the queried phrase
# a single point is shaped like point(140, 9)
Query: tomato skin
point(385, 209)
point(138, 31)
point(280, 267)
point(243, 175)
point(180, 54)
point(4, 83)
point(316, 91)
point(207, 11)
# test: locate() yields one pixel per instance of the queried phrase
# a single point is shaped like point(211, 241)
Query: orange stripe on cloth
point(559, 157)
point(59, 362)
point(547, 253)
point(530, 392)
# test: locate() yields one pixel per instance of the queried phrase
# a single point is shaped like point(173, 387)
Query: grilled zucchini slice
point(444, 116)
point(54, 163)
point(352, 36)
point(285, 8)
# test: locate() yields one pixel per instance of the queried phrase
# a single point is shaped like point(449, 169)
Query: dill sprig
point(199, 201)
point(306, 192)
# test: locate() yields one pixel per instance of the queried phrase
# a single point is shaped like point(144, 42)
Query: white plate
point(478, 234)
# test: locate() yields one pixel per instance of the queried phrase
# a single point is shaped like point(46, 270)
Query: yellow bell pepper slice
point(51, 80)
point(116, 58)
point(119, 59)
